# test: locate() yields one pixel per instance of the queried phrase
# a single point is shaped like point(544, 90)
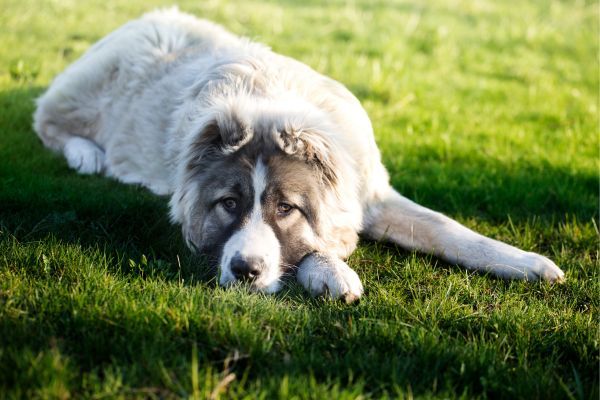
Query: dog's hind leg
point(84, 156)
point(67, 118)
point(67, 135)
point(64, 127)
point(399, 220)
point(69, 115)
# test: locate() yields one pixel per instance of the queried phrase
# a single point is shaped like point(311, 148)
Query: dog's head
point(260, 190)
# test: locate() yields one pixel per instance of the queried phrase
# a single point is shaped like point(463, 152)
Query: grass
point(486, 111)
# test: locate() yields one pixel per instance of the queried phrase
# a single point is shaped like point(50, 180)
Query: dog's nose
point(246, 268)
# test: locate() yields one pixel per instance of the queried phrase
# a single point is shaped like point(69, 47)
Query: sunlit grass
point(487, 111)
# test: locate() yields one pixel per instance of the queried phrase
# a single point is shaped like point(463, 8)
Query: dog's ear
point(311, 146)
point(225, 134)
point(204, 146)
point(234, 130)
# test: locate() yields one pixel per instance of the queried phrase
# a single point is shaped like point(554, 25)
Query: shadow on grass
point(472, 186)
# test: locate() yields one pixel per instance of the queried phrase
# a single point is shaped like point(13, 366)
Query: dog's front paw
point(329, 276)
point(541, 268)
point(527, 266)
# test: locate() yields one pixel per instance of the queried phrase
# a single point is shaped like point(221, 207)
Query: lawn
point(485, 110)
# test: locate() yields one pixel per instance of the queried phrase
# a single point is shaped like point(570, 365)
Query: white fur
point(329, 276)
point(255, 239)
point(134, 105)
point(84, 156)
point(400, 220)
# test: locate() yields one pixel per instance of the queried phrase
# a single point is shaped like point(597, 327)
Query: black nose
point(246, 268)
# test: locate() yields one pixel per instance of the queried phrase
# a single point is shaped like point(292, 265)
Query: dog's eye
point(229, 203)
point(284, 209)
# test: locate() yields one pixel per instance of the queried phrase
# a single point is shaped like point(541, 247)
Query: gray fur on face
point(220, 173)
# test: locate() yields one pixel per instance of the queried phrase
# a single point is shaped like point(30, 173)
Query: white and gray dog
point(268, 164)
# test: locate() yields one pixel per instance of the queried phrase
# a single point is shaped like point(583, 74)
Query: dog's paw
point(84, 156)
point(539, 267)
point(528, 266)
point(329, 276)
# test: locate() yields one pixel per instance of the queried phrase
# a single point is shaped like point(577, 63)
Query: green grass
point(487, 111)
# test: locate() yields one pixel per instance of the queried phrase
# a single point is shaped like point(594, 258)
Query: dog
point(271, 167)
